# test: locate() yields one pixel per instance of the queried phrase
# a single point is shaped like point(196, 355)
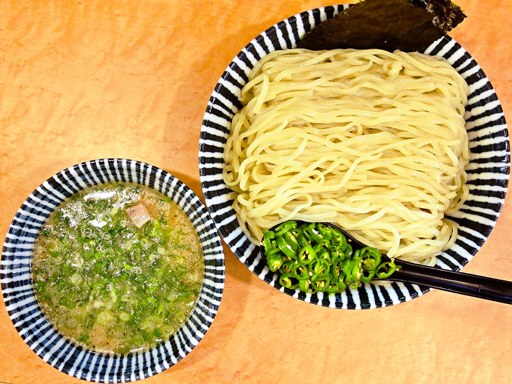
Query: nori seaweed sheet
point(447, 15)
point(407, 25)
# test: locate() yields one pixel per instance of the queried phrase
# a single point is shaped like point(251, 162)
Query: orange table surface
point(88, 79)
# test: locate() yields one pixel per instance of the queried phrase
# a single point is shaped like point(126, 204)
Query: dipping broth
point(118, 267)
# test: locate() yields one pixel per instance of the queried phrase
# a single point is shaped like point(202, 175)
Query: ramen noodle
point(370, 140)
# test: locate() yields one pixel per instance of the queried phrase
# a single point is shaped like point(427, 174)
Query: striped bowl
point(488, 170)
point(26, 315)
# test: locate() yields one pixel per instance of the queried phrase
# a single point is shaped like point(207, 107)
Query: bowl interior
point(488, 171)
point(25, 313)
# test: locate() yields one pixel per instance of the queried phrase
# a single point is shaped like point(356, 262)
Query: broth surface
point(118, 267)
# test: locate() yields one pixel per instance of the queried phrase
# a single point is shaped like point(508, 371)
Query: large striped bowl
point(488, 170)
point(26, 315)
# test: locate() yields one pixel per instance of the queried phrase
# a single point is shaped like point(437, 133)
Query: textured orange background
point(88, 79)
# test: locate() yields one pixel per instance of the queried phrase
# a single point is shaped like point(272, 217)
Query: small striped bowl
point(26, 315)
point(488, 170)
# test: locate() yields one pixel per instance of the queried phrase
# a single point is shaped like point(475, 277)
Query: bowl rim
point(29, 320)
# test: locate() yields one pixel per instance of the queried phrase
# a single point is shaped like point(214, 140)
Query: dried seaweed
point(407, 25)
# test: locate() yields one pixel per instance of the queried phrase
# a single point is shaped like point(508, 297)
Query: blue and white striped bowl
point(488, 170)
point(21, 303)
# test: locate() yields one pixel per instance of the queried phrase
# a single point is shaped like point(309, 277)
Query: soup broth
point(118, 267)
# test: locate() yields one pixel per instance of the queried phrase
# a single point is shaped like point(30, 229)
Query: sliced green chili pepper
point(284, 227)
point(295, 267)
point(355, 274)
point(340, 286)
point(285, 247)
point(275, 261)
point(304, 285)
point(349, 251)
point(385, 269)
point(307, 254)
point(312, 233)
point(339, 238)
point(337, 270)
point(347, 266)
point(321, 284)
point(301, 238)
point(325, 231)
point(336, 253)
point(367, 276)
point(314, 257)
point(268, 244)
point(318, 267)
point(322, 252)
point(371, 258)
point(289, 280)
point(291, 240)
point(289, 266)
point(302, 271)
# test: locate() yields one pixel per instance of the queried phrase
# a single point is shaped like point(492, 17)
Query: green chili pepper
point(304, 285)
point(289, 280)
point(301, 238)
point(339, 238)
point(321, 284)
point(289, 266)
point(367, 276)
point(275, 261)
point(385, 269)
point(285, 247)
point(322, 252)
point(325, 231)
point(314, 257)
point(268, 244)
point(349, 251)
point(297, 268)
point(347, 266)
point(336, 253)
point(371, 258)
point(318, 267)
point(302, 271)
point(291, 240)
point(355, 274)
point(307, 254)
point(337, 270)
point(284, 227)
point(340, 286)
point(312, 233)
